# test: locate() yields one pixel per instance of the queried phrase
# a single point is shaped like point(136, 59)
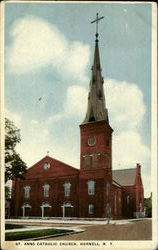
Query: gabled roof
point(56, 169)
point(124, 177)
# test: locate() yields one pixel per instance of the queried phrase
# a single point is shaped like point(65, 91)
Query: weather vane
point(96, 21)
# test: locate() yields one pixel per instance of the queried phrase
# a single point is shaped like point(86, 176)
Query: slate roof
point(124, 177)
point(116, 184)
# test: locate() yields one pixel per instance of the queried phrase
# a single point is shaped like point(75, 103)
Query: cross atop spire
point(96, 21)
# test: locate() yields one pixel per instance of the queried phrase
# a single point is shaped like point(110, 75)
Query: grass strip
point(11, 236)
point(13, 226)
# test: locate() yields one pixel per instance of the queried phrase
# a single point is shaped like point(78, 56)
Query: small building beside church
point(51, 188)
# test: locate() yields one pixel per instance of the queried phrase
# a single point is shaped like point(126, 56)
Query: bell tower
point(96, 146)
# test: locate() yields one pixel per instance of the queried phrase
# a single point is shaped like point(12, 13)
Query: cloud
point(128, 149)
point(37, 43)
point(37, 128)
point(125, 104)
point(76, 99)
point(31, 45)
point(74, 105)
point(35, 141)
point(15, 117)
point(146, 179)
point(38, 137)
point(77, 59)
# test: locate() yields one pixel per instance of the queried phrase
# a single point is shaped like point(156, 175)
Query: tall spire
point(96, 110)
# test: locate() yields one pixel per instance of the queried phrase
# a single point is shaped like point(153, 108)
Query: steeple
point(96, 110)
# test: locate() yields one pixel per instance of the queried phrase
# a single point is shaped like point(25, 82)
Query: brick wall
point(36, 179)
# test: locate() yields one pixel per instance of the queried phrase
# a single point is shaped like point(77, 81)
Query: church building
point(51, 188)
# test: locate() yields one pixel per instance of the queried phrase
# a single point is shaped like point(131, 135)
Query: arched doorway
point(46, 207)
point(26, 210)
point(67, 209)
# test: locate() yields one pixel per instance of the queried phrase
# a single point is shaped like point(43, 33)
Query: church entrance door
point(46, 211)
point(67, 209)
point(27, 211)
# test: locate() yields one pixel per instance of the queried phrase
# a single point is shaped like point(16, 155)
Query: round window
point(46, 165)
point(91, 140)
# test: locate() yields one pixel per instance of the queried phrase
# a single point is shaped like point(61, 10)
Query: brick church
point(51, 188)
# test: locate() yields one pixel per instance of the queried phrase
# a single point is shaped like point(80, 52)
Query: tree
point(7, 192)
point(148, 205)
point(14, 165)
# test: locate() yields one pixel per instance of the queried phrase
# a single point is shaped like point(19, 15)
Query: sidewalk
point(71, 221)
point(32, 228)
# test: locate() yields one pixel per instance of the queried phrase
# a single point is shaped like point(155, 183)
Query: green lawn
point(13, 226)
point(33, 234)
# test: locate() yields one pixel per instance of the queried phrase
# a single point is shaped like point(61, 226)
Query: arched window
point(140, 207)
point(67, 186)
point(87, 161)
point(27, 191)
point(128, 199)
point(91, 209)
point(91, 187)
point(107, 188)
point(94, 160)
point(107, 161)
point(46, 190)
